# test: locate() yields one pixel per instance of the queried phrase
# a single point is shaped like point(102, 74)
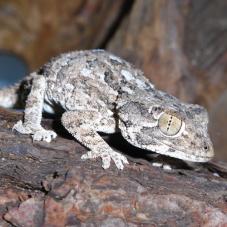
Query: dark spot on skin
point(189, 114)
point(198, 135)
point(158, 96)
point(120, 92)
point(92, 63)
point(168, 96)
point(115, 62)
point(148, 85)
point(198, 110)
point(115, 86)
point(123, 82)
point(130, 86)
point(45, 70)
point(89, 134)
point(110, 80)
point(171, 150)
point(143, 110)
point(128, 124)
point(40, 71)
point(107, 73)
point(60, 76)
point(149, 89)
point(176, 106)
point(108, 76)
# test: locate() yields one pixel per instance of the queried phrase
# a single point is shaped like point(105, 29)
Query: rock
point(30, 213)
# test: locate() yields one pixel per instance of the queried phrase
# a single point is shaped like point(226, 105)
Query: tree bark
point(47, 184)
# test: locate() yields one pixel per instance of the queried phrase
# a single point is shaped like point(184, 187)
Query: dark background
point(181, 45)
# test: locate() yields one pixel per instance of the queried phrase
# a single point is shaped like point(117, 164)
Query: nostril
point(205, 147)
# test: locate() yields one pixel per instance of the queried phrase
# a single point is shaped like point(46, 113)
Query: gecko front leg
point(76, 122)
point(33, 112)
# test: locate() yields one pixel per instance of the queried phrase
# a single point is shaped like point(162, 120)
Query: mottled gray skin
point(96, 91)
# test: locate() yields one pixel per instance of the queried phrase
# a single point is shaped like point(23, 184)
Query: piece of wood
point(47, 184)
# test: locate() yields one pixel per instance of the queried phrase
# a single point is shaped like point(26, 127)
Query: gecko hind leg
point(86, 132)
point(33, 113)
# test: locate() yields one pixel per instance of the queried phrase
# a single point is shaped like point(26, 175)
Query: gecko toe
point(118, 159)
point(106, 157)
point(19, 127)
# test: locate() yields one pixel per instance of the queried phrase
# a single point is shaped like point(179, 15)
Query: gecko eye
point(169, 124)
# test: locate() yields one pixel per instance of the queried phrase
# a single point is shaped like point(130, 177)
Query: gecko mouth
point(164, 149)
point(183, 155)
point(195, 158)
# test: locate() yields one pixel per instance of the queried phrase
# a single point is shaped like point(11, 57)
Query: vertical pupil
point(169, 123)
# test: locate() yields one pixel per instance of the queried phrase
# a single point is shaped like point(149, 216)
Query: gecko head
point(167, 126)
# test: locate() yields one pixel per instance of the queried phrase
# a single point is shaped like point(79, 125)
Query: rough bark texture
point(47, 184)
point(180, 45)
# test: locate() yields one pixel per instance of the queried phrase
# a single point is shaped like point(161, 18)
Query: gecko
point(96, 91)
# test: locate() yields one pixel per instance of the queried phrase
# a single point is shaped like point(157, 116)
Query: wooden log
point(47, 184)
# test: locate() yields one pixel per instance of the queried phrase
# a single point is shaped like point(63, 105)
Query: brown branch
point(46, 184)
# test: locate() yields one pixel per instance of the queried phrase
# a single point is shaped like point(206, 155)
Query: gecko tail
point(9, 96)
point(15, 96)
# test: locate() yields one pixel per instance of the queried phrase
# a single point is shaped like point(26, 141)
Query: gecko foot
point(106, 157)
point(44, 135)
point(39, 134)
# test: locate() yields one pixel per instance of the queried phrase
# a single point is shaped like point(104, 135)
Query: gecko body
point(96, 91)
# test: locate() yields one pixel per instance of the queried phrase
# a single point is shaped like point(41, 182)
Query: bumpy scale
point(96, 91)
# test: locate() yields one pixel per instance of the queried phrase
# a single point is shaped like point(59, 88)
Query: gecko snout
point(208, 149)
